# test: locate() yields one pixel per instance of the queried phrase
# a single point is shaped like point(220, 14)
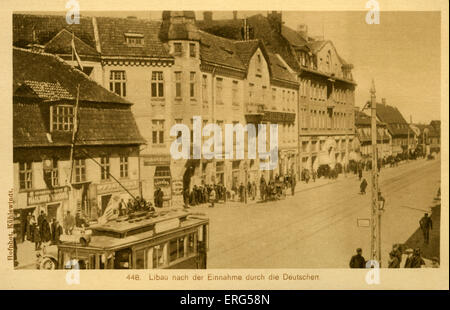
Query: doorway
point(104, 201)
point(52, 211)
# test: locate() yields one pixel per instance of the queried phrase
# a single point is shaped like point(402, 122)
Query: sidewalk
point(26, 255)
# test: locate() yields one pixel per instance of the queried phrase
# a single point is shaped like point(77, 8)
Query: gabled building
point(403, 137)
point(45, 89)
point(363, 137)
point(326, 85)
point(172, 71)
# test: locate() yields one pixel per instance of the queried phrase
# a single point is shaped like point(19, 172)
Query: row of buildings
point(140, 77)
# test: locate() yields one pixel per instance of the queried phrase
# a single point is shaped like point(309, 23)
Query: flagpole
point(74, 133)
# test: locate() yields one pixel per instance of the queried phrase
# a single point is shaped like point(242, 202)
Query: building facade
point(363, 137)
point(47, 175)
point(172, 71)
point(403, 137)
point(326, 86)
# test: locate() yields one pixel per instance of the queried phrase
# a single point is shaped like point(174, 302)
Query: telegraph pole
point(375, 244)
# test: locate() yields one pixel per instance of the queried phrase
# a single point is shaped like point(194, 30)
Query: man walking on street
point(363, 186)
point(426, 225)
point(212, 197)
point(357, 261)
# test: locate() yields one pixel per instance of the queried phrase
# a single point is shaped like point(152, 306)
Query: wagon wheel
point(48, 264)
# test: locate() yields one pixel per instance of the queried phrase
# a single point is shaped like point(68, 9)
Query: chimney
point(207, 16)
point(383, 101)
point(235, 15)
point(178, 25)
point(302, 29)
point(275, 20)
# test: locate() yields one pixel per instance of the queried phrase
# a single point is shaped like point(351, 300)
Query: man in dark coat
point(426, 225)
point(357, 261)
point(360, 173)
point(46, 234)
point(57, 231)
point(41, 217)
point(160, 198)
point(415, 261)
point(363, 186)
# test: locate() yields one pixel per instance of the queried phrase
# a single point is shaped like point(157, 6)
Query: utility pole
point(407, 147)
point(375, 244)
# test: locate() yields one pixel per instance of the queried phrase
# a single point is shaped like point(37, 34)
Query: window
point(123, 166)
point(54, 174)
point(274, 95)
point(157, 84)
point(25, 175)
point(105, 168)
point(251, 90)
point(159, 255)
point(178, 84)
point(258, 64)
point(205, 88)
point(234, 95)
point(178, 49)
point(192, 84)
point(176, 249)
point(134, 39)
point(117, 83)
point(191, 244)
point(62, 117)
point(80, 170)
point(192, 50)
point(158, 132)
point(219, 87)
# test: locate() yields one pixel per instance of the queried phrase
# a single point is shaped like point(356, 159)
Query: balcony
point(258, 114)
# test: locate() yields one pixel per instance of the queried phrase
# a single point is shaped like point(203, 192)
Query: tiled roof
point(362, 119)
point(393, 118)
point(220, 51)
point(40, 29)
point(47, 69)
point(105, 118)
point(113, 40)
point(279, 69)
point(246, 49)
point(293, 37)
point(48, 90)
point(98, 126)
point(273, 41)
point(62, 44)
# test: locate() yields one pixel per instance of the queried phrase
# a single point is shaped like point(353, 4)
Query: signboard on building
point(108, 188)
point(48, 195)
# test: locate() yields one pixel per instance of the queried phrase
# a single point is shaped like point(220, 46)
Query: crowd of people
point(206, 193)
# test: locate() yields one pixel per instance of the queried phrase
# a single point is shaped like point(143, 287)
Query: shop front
point(52, 201)
point(163, 180)
point(105, 192)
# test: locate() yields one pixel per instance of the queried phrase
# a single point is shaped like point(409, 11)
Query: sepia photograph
point(226, 140)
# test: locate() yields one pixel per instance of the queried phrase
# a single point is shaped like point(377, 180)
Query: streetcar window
point(122, 259)
point(176, 248)
point(159, 255)
point(190, 244)
point(140, 259)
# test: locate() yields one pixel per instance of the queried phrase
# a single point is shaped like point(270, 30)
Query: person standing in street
point(360, 173)
point(358, 261)
point(426, 225)
point(212, 197)
point(293, 183)
point(69, 222)
point(37, 238)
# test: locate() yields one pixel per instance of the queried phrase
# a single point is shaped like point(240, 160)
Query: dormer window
point(134, 39)
point(61, 117)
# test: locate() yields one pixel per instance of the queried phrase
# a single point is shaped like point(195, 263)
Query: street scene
point(213, 140)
